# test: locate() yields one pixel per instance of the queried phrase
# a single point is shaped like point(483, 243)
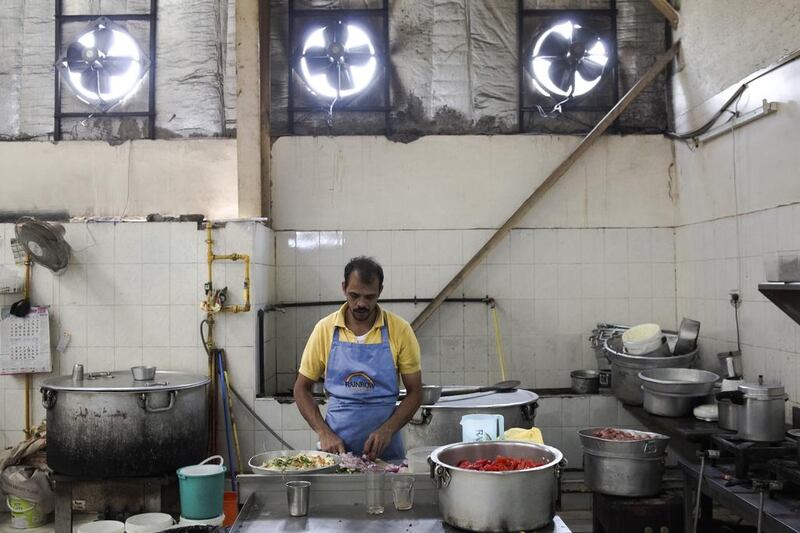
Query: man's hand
point(377, 441)
point(330, 442)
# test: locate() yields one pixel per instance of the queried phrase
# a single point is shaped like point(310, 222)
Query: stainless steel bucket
point(624, 468)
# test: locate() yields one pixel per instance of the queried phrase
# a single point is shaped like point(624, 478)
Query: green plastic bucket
point(202, 487)
point(24, 513)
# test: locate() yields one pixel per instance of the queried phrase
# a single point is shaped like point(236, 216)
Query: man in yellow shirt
point(360, 350)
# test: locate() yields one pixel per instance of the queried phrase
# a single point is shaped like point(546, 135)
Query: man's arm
point(380, 438)
point(328, 440)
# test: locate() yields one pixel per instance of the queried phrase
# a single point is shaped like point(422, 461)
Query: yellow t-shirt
point(402, 341)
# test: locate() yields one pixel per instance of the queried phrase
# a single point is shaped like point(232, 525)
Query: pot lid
point(122, 381)
point(762, 390)
point(478, 400)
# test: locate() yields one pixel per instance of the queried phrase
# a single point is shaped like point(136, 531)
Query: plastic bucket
point(148, 523)
point(230, 504)
point(476, 428)
point(24, 513)
point(201, 488)
point(102, 526)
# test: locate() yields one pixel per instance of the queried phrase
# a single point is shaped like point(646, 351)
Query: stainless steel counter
point(337, 504)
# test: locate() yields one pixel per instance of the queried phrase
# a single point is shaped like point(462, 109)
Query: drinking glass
point(374, 488)
point(403, 492)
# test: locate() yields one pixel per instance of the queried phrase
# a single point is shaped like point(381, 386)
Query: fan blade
point(357, 60)
point(79, 65)
point(589, 70)
point(341, 32)
point(103, 37)
point(75, 52)
point(104, 81)
point(346, 82)
point(562, 74)
point(115, 66)
point(554, 44)
point(330, 33)
point(316, 65)
point(89, 80)
point(333, 75)
point(584, 36)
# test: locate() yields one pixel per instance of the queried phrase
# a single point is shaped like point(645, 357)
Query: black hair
point(366, 267)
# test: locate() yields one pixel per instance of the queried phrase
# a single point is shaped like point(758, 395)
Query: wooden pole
point(661, 62)
point(667, 10)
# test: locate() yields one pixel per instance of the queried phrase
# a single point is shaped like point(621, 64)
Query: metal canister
point(761, 415)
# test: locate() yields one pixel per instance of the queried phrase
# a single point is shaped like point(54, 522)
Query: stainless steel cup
point(297, 494)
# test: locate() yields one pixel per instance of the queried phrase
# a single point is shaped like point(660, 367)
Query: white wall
point(131, 295)
point(466, 182)
point(133, 178)
point(599, 247)
point(739, 195)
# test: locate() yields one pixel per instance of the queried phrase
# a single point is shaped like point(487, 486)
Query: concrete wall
point(134, 178)
point(738, 195)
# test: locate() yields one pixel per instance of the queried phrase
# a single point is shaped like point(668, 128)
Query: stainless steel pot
point(760, 414)
point(496, 501)
point(625, 382)
point(440, 423)
point(108, 425)
point(585, 381)
point(728, 414)
point(624, 468)
point(674, 391)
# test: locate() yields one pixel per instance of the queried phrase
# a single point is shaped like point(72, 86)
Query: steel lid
point(122, 381)
point(480, 400)
point(762, 391)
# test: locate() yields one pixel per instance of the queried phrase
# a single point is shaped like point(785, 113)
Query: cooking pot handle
point(48, 398)
point(528, 411)
point(144, 402)
point(425, 418)
point(650, 447)
point(439, 475)
point(735, 396)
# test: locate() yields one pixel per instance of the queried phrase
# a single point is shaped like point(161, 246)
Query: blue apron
point(361, 380)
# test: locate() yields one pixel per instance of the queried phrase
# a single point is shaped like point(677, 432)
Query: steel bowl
point(257, 460)
point(678, 381)
point(431, 394)
point(143, 373)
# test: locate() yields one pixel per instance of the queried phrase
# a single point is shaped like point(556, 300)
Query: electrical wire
point(710, 123)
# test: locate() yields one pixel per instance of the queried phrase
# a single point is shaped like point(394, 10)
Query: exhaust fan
point(104, 65)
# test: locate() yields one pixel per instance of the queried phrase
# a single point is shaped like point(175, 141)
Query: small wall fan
point(338, 60)
point(44, 244)
point(568, 60)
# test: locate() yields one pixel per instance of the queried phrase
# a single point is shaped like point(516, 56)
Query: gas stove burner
point(749, 455)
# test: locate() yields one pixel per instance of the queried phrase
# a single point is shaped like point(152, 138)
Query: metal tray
point(257, 460)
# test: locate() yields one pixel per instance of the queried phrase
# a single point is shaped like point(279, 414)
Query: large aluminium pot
point(521, 500)
point(625, 382)
point(440, 423)
point(624, 468)
point(108, 425)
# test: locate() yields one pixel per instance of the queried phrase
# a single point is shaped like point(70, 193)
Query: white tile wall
point(551, 286)
point(131, 295)
point(717, 256)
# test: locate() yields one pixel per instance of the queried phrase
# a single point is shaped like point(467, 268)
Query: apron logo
point(359, 381)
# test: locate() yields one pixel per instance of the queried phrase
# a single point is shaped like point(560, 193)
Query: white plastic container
point(475, 428)
point(148, 523)
point(102, 526)
point(642, 339)
point(418, 459)
point(216, 521)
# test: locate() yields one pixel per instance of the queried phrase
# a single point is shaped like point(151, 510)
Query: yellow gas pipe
point(26, 290)
point(210, 346)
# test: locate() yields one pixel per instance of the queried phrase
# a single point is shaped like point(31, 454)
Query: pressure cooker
point(760, 411)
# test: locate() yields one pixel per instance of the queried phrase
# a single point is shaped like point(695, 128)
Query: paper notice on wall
point(10, 280)
point(25, 342)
